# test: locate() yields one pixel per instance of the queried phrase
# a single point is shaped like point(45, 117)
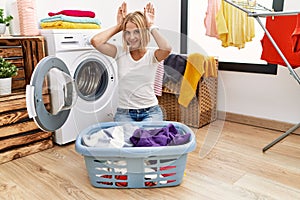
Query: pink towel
point(74, 13)
point(159, 78)
point(210, 18)
point(296, 36)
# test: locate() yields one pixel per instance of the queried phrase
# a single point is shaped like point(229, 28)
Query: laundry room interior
point(225, 84)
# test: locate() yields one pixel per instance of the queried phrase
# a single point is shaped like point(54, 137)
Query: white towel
point(116, 137)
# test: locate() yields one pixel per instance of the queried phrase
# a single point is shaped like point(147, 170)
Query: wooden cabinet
point(25, 53)
point(19, 135)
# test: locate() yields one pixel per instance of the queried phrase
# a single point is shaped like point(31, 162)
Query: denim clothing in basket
point(166, 136)
point(153, 113)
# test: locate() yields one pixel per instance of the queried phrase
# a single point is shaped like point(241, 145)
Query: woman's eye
point(136, 32)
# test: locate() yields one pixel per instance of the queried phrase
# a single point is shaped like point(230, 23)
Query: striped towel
point(159, 79)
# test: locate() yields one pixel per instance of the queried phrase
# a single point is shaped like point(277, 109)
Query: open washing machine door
point(52, 74)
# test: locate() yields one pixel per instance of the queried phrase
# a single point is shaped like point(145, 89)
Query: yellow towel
point(68, 25)
point(193, 72)
point(210, 67)
point(234, 26)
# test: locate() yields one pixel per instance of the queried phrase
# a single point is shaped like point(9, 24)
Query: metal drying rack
point(257, 11)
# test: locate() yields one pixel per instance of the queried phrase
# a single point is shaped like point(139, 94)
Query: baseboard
point(255, 121)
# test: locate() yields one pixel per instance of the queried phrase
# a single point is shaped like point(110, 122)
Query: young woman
point(136, 62)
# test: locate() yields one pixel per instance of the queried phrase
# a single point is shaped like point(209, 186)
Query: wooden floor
point(234, 169)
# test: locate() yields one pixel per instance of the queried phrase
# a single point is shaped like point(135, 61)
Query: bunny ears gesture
point(149, 13)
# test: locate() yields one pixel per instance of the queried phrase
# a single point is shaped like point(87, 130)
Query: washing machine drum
point(91, 79)
point(51, 75)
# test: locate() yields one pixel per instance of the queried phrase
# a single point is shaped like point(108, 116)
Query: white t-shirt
point(136, 79)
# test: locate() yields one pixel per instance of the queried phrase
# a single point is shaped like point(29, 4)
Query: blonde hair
point(139, 20)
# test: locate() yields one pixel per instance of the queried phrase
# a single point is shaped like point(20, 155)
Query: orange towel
point(193, 72)
point(286, 25)
point(296, 36)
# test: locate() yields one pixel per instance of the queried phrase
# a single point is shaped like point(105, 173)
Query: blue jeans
point(153, 113)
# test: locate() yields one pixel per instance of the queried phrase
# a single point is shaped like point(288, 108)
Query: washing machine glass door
point(51, 76)
point(91, 79)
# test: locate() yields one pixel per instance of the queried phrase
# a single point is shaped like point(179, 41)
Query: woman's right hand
point(122, 12)
point(149, 13)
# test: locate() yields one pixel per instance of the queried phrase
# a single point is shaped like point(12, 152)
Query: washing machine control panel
point(68, 42)
point(74, 42)
point(87, 40)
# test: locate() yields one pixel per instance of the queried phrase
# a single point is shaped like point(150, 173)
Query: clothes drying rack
point(257, 11)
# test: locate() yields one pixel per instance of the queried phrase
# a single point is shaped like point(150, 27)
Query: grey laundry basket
point(136, 167)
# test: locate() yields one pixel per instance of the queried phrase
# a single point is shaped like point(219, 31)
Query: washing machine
point(81, 81)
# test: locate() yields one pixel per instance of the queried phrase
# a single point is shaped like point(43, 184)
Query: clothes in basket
point(127, 135)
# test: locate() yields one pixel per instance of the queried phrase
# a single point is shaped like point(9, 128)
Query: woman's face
point(132, 36)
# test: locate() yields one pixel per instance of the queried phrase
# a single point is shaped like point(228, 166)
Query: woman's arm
point(99, 41)
point(164, 48)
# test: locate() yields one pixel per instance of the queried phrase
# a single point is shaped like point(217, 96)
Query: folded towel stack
point(71, 19)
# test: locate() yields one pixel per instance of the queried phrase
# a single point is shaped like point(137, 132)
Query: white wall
point(167, 19)
point(106, 10)
point(275, 97)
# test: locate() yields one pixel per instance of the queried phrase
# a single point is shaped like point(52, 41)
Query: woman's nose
point(132, 35)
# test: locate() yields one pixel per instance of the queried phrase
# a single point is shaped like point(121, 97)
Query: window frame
point(228, 66)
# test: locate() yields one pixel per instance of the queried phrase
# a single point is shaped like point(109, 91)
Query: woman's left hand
point(122, 12)
point(149, 14)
